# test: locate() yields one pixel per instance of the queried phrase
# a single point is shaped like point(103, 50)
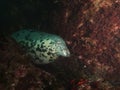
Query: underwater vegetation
point(91, 30)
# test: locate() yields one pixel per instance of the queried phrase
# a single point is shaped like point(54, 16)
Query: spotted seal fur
point(43, 47)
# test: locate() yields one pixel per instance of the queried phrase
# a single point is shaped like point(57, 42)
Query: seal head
point(43, 47)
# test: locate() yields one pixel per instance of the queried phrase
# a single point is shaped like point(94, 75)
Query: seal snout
point(66, 53)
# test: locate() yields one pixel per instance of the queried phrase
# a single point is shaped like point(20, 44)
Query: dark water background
point(36, 14)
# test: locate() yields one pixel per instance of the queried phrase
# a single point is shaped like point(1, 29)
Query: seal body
point(43, 47)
